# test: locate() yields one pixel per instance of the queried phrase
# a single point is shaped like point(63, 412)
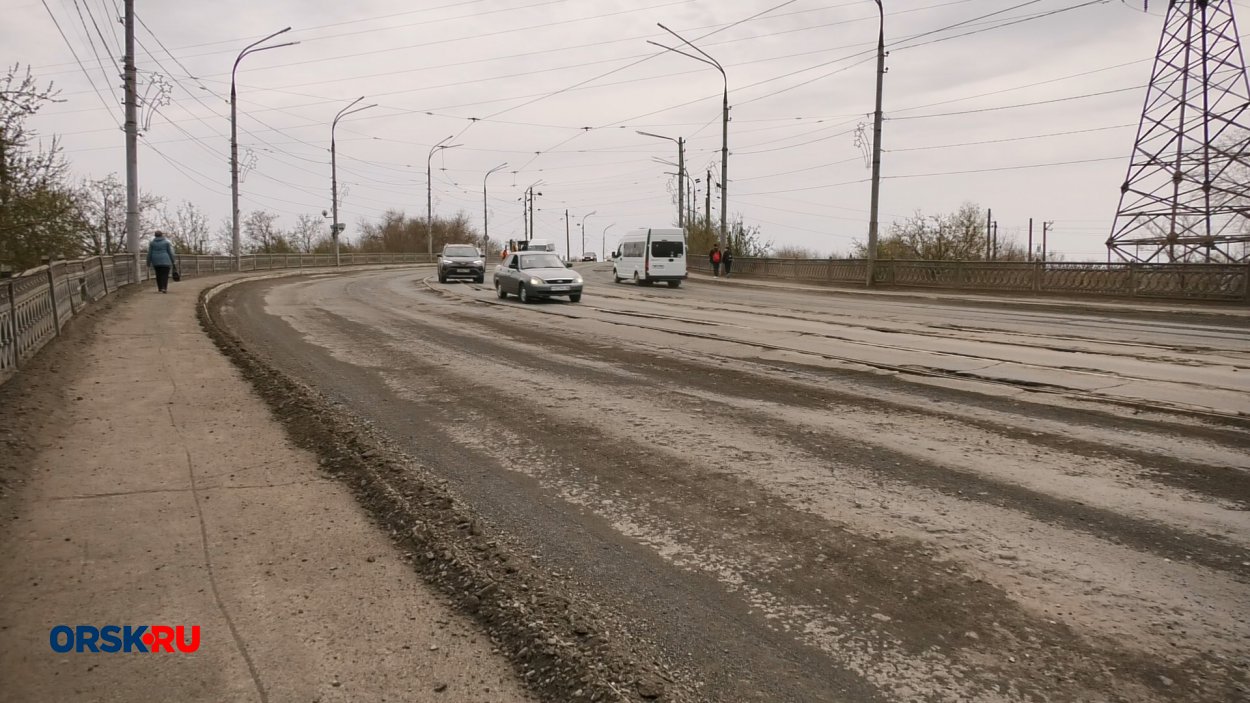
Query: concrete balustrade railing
point(35, 305)
point(1212, 282)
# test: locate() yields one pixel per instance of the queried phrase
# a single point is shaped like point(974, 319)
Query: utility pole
point(681, 182)
point(568, 247)
point(874, 207)
point(525, 211)
point(707, 207)
point(989, 223)
point(1030, 256)
point(1046, 227)
point(995, 248)
point(132, 144)
point(681, 173)
point(691, 202)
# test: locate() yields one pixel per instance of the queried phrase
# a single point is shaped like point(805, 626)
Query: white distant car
point(648, 256)
point(590, 256)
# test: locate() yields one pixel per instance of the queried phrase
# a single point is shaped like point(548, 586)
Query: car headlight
point(536, 281)
point(478, 262)
point(577, 279)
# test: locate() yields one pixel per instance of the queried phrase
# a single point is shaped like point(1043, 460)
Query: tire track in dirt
point(640, 371)
point(910, 613)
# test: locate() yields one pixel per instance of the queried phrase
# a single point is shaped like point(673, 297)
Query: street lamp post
point(529, 198)
point(873, 222)
point(724, 130)
point(234, 143)
point(485, 211)
point(681, 174)
point(429, 195)
point(592, 212)
point(604, 244)
point(336, 228)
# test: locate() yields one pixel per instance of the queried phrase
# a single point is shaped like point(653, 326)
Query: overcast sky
point(519, 81)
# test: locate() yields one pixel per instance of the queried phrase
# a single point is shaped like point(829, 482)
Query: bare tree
point(263, 234)
point(956, 236)
point(39, 214)
point(187, 227)
point(308, 233)
point(102, 203)
point(791, 251)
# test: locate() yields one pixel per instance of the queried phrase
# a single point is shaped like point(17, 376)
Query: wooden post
point(103, 275)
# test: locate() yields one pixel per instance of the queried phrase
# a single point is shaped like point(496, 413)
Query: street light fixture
point(724, 131)
point(485, 211)
point(429, 195)
point(583, 226)
point(234, 142)
point(336, 228)
point(681, 171)
point(873, 222)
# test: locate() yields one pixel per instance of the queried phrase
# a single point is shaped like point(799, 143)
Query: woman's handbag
point(175, 274)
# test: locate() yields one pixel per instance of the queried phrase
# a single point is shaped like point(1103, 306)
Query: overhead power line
point(77, 60)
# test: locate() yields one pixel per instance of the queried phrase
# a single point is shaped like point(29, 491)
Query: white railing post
point(56, 313)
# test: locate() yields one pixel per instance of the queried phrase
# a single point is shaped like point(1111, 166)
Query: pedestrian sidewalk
point(1232, 310)
point(162, 492)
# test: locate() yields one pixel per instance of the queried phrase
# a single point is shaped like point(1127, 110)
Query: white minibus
point(648, 256)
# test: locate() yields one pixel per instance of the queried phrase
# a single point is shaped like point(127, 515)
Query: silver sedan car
point(530, 275)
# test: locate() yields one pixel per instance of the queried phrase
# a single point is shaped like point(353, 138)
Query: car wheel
point(480, 280)
point(575, 298)
point(524, 294)
point(616, 278)
point(674, 284)
point(499, 290)
point(442, 278)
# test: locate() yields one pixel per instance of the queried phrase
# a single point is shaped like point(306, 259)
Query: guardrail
point(35, 305)
point(1208, 282)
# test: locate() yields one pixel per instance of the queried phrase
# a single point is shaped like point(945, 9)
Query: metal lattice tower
point(1187, 193)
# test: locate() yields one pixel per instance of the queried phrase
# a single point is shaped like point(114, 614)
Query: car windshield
point(670, 250)
point(459, 251)
point(541, 261)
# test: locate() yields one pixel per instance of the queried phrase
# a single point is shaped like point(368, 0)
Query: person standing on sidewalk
point(727, 260)
point(161, 259)
point(713, 258)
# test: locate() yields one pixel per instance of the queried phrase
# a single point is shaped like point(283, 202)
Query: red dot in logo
point(148, 638)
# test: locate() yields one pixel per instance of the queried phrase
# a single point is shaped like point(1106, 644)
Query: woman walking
point(161, 259)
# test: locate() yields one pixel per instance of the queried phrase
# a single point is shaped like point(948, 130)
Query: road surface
point(798, 496)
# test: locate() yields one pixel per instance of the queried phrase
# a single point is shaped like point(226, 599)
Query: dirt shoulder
point(147, 484)
point(566, 648)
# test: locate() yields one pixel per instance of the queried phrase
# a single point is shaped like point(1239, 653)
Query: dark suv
point(461, 261)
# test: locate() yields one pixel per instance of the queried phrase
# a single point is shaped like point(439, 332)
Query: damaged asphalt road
point(718, 494)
